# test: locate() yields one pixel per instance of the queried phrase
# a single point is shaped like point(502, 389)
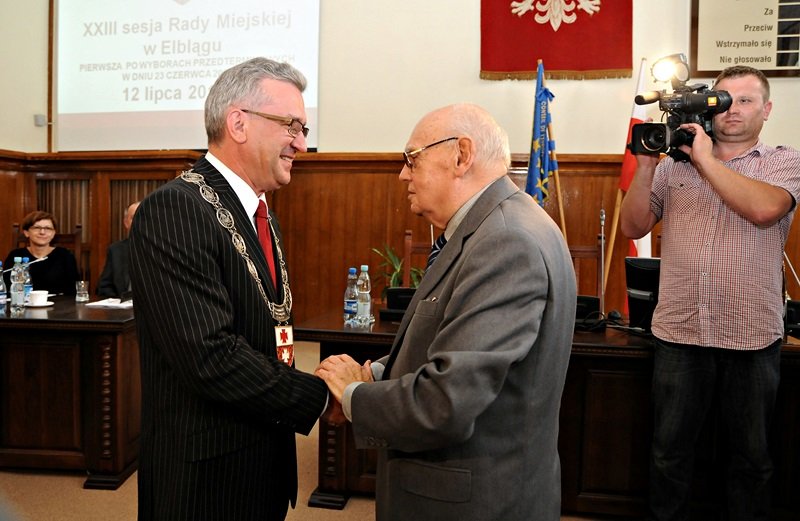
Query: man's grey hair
point(240, 86)
point(491, 141)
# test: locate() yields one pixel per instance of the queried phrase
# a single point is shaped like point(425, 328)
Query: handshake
point(339, 371)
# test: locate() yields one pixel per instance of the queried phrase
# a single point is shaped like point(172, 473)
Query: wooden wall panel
point(589, 183)
point(82, 188)
point(340, 206)
point(335, 210)
point(332, 214)
point(67, 200)
point(123, 193)
point(15, 192)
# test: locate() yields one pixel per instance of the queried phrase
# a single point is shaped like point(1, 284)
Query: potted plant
point(393, 292)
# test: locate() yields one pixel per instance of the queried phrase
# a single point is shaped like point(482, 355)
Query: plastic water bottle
point(28, 283)
point(364, 286)
point(3, 294)
point(351, 298)
point(17, 285)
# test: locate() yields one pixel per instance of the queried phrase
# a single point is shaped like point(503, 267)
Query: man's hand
point(647, 163)
point(636, 218)
point(702, 146)
point(339, 371)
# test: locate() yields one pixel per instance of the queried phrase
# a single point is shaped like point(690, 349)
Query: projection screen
point(134, 75)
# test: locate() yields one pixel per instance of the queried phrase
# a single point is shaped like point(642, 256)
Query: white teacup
point(38, 297)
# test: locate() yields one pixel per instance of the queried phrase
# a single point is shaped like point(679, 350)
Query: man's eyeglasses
point(409, 156)
point(293, 126)
point(46, 229)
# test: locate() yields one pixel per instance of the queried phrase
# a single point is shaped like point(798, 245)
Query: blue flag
point(540, 165)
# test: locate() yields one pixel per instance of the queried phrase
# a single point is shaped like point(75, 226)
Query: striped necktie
point(435, 249)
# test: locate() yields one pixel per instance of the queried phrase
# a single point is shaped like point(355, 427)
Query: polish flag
point(639, 247)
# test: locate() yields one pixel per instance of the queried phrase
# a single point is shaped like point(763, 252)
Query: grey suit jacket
point(466, 416)
point(219, 410)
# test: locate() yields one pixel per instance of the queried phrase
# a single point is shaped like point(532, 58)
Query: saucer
point(46, 304)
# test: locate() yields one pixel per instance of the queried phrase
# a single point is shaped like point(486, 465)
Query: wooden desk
point(70, 391)
point(605, 427)
point(343, 469)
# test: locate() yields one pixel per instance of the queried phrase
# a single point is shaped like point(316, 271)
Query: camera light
point(663, 70)
point(673, 68)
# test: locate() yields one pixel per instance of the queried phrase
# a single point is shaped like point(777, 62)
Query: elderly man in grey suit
point(221, 399)
point(465, 407)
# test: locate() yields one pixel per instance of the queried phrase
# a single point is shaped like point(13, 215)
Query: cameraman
point(718, 324)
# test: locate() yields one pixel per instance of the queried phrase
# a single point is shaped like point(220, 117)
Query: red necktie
point(264, 237)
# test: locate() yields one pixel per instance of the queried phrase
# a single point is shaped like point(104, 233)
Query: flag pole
point(555, 172)
point(626, 172)
point(612, 237)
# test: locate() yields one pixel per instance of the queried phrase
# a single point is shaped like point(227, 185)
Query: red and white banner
point(576, 39)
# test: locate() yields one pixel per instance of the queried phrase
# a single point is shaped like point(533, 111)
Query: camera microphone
point(647, 98)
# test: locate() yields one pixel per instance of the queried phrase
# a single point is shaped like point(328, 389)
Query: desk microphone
point(35, 261)
point(602, 260)
point(28, 264)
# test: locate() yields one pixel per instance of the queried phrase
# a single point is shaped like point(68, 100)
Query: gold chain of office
point(280, 312)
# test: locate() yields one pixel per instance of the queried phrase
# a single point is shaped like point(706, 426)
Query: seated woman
point(58, 273)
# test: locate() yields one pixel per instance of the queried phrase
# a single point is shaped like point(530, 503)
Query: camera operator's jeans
point(685, 380)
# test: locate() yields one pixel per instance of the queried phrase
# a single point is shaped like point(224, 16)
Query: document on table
point(111, 303)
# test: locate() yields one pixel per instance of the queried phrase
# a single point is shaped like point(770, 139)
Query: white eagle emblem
point(555, 11)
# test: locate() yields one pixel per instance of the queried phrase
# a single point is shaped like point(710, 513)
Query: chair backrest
point(584, 255)
point(71, 241)
point(412, 248)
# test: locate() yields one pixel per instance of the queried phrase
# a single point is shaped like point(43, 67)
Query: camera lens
point(654, 138)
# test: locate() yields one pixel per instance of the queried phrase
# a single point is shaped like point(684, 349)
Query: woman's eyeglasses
point(45, 229)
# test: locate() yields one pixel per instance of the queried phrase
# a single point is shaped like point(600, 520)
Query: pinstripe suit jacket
point(219, 410)
point(467, 413)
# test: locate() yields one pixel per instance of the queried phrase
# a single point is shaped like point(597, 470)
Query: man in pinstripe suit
point(221, 400)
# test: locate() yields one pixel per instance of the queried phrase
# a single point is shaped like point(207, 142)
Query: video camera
point(686, 104)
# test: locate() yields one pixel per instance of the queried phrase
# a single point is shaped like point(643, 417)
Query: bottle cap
point(25, 259)
point(364, 267)
point(351, 271)
point(17, 259)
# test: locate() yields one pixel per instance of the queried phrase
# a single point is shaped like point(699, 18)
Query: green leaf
point(393, 265)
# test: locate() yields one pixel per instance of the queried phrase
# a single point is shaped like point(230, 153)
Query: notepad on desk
point(111, 303)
